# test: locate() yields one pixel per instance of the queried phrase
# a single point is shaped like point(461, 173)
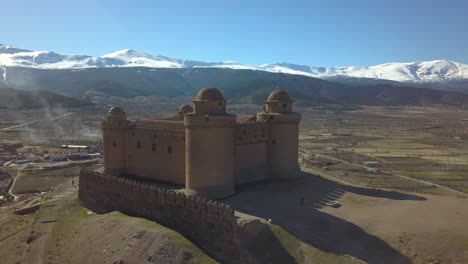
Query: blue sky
point(318, 33)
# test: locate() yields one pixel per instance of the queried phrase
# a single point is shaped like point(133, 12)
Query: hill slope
point(16, 99)
point(251, 85)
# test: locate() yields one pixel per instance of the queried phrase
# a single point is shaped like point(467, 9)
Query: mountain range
point(412, 72)
point(130, 74)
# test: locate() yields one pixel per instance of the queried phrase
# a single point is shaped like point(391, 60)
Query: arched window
point(153, 147)
point(169, 150)
point(138, 144)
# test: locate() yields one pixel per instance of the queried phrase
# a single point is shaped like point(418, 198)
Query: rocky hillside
point(18, 99)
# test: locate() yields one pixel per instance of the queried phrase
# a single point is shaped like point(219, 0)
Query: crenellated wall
point(210, 224)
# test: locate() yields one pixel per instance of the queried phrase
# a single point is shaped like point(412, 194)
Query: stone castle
point(204, 148)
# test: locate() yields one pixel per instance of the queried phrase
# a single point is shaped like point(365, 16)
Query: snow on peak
point(424, 71)
point(127, 53)
point(6, 49)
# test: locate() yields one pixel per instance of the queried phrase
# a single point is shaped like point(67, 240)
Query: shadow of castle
point(280, 201)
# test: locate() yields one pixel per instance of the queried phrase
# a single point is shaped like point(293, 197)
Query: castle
point(204, 148)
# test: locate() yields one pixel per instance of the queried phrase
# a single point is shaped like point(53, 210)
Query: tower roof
point(185, 109)
point(209, 94)
point(117, 112)
point(279, 95)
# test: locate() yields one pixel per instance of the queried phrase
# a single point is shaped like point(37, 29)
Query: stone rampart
point(210, 224)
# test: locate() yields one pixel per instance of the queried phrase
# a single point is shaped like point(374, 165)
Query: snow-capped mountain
point(13, 57)
point(427, 71)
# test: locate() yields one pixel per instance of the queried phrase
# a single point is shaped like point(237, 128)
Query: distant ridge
point(415, 72)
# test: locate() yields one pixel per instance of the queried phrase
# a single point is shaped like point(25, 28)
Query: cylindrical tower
point(114, 132)
point(209, 145)
point(283, 144)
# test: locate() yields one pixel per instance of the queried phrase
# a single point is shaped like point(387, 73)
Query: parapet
point(108, 185)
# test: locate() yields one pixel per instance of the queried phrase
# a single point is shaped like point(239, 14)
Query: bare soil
point(370, 225)
point(63, 231)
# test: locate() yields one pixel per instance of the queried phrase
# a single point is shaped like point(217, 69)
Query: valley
point(420, 169)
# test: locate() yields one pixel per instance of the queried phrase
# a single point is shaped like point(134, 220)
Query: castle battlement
point(204, 148)
point(195, 217)
point(115, 189)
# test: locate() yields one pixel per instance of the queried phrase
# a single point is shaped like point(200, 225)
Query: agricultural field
point(417, 149)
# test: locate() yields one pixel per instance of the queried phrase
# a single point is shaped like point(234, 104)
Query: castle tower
point(114, 130)
point(209, 146)
point(283, 143)
point(183, 110)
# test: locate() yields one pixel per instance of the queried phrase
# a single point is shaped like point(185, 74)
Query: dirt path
point(10, 191)
point(36, 121)
point(45, 222)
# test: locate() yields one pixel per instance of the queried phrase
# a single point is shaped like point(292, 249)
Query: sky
point(316, 33)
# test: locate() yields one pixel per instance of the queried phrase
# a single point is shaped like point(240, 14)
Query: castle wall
point(157, 153)
point(251, 158)
point(209, 224)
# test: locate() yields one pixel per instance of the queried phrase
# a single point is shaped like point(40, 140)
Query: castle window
point(273, 142)
point(169, 150)
point(220, 103)
point(138, 144)
point(284, 105)
point(114, 144)
point(153, 148)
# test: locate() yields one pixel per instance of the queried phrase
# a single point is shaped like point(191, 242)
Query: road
point(36, 121)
